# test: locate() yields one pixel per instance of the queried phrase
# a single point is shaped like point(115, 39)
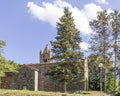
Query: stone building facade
point(32, 76)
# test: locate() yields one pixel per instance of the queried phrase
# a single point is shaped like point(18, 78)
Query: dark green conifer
point(66, 49)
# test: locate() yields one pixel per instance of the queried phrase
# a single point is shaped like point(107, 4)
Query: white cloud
point(84, 46)
point(102, 2)
point(109, 11)
point(46, 12)
point(50, 12)
point(90, 10)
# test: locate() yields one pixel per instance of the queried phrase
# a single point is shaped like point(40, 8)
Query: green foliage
point(115, 25)
point(100, 40)
point(66, 71)
point(94, 78)
point(6, 65)
point(94, 60)
point(94, 71)
point(105, 40)
point(110, 81)
point(94, 83)
point(66, 49)
point(2, 44)
point(118, 91)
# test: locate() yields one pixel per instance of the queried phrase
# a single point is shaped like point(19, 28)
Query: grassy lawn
point(4, 92)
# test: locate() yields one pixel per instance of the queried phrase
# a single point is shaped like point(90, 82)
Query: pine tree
point(66, 50)
point(100, 41)
point(106, 39)
point(100, 38)
point(115, 29)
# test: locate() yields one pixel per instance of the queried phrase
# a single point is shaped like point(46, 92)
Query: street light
point(100, 66)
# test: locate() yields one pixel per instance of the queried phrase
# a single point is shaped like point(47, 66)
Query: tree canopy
point(105, 41)
point(6, 65)
point(66, 49)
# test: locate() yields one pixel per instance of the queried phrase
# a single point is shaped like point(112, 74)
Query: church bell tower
point(46, 56)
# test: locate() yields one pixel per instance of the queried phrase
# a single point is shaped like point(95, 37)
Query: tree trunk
point(65, 86)
point(105, 83)
point(0, 82)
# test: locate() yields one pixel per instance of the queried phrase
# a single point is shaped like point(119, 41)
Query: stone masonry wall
point(7, 82)
point(24, 79)
point(48, 84)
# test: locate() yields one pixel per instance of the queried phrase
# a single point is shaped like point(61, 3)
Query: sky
point(28, 25)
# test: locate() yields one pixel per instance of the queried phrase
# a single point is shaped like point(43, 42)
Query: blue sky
point(28, 25)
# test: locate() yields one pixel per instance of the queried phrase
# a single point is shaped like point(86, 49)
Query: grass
point(4, 92)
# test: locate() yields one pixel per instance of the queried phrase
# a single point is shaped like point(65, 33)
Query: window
point(45, 60)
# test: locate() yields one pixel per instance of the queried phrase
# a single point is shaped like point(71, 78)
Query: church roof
point(30, 67)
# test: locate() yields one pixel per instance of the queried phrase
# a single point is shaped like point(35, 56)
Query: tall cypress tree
point(66, 50)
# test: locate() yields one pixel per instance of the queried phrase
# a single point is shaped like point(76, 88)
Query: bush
point(117, 92)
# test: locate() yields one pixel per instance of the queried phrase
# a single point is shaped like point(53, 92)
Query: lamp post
point(100, 66)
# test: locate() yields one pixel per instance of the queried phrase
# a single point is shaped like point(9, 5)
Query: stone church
point(32, 76)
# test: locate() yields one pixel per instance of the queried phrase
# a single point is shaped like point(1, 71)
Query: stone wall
point(48, 84)
point(30, 75)
point(25, 78)
point(7, 81)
